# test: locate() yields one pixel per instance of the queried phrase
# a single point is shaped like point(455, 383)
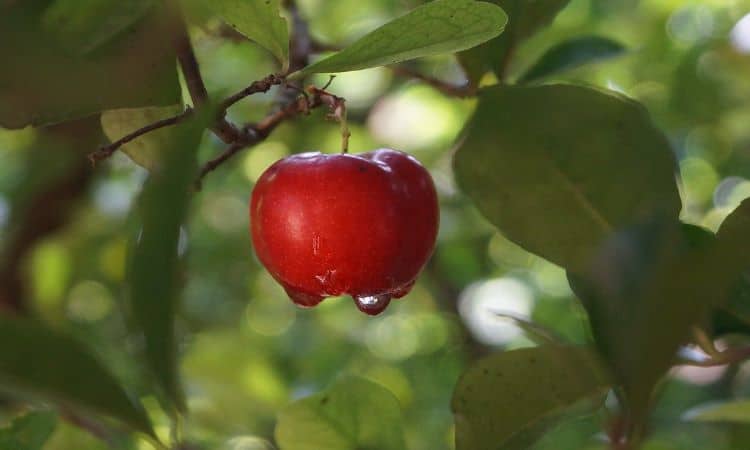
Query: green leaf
point(526, 17)
point(53, 365)
point(733, 314)
point(259, 20)
point(648, 286)
point(736, 411)
point(353, 414)
point(441, 26)
point(144, 150)
point(506, 401)
point(558, 168)
point(734, 236)
point(42, 82)
point(153, 269)
point(84, 25)
point(28, 432)
point(571, 54)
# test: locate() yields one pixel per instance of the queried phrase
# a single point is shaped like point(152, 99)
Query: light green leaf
point(736, 411)
point(441, 26)
point(558, 168)
point(526, 17)
point(353, 414)
point(144, 150)
point(260, 21)
point(571, 54)
point(154, 268)
point(84, 25)
point(43, 362)
point(28, 432)
point(41, 82)
point(505, 401)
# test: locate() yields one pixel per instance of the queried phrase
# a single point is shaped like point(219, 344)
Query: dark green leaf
point(733, 314)
point(260, 21)
point(42, 82)
point(154, 269)
point(558, 168)
point(734, 235)
point(647, 287)
point(53, 365)
point(525, 17)
point(441, 26)
point(84, 25)
point(506, 401)
point(571, 54)
point(28, 432)
point(353, 414)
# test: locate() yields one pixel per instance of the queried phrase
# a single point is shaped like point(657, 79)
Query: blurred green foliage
point(245, 351)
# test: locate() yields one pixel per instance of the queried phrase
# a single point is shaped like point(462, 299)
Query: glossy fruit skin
point(332, 224)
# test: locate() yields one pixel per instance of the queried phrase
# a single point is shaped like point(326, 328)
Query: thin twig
point(451, 90)
point(107, 150)
point(255, 87)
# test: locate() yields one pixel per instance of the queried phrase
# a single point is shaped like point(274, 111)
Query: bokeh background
point(247, 351)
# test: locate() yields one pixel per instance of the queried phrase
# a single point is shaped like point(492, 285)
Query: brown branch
point(446, 88)
point(301, 42)
point(255, 87)
point(107, 150)
point(255, 134)
point(225, 130)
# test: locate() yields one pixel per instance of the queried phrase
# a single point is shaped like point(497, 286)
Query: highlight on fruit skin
point(325, 225)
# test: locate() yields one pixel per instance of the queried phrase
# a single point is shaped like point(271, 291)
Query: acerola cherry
point(327, 225)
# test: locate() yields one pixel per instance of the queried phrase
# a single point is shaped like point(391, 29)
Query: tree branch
point(301, 44)
point(255, 87)
point(225, 130)
point(255, 134)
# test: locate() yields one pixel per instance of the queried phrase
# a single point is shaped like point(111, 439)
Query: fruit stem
point(345, 133)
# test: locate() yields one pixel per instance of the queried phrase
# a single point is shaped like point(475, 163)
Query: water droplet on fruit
point(372, 304)
point(303, 299)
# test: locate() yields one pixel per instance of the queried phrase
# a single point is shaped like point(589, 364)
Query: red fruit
point(327, 225)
